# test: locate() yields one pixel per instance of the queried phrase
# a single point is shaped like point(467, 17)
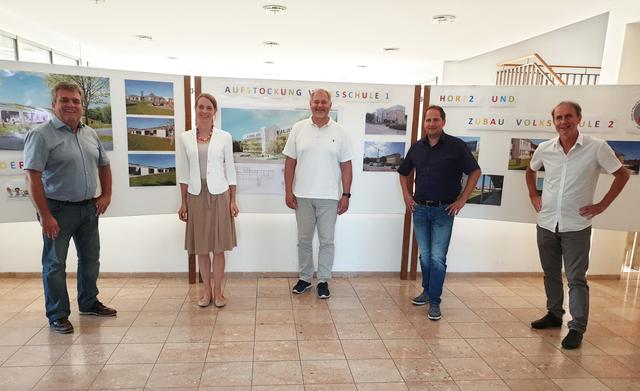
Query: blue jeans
point(80, 223)
point(433, 228)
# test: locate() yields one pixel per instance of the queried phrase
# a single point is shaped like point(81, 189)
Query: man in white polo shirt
point(572, 162)
point(319, 158)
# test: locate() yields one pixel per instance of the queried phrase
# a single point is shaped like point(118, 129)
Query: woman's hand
point(234, 209)
point(182, 213)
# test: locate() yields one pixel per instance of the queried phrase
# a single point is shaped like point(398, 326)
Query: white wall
point(630, 62)
point(622, 13)
point(581, 43)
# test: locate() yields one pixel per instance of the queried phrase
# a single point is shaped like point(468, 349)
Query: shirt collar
point(579, 141)
point(325, 125)
point(55, 121)
point(442, 139)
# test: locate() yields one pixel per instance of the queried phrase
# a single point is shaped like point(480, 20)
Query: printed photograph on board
point(522, 150)
point(382, 157)
point(147, 169)
point(488, 190)
point(16, 189)
point(473, 143)
point(259, 135)
point(628, 152)
point(386, 121)
point(151, 134)
point(149, 97)
point(25, 102)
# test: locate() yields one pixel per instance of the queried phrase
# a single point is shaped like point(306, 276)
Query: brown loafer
point(62, 326)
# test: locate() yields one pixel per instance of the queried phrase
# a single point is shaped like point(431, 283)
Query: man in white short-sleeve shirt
point(318, 161)
point(572, 162)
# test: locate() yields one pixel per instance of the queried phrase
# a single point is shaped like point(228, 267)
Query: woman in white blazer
point(207, 178)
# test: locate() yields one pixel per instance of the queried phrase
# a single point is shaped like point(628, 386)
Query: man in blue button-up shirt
point(64, 159)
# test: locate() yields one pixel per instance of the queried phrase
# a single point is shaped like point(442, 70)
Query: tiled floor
point(367, 337)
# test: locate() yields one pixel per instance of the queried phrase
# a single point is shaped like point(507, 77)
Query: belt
point(433, 203)
point(75, 203)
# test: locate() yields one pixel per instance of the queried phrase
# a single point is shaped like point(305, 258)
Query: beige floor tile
point(191, 334)
point(493, 315)
point(356, 331)
point(275, 316)
point(344, 303)
point(233, 332)
point(100, 335)
point(274, 303)
point(315, 316)
point(123, 319)
point(134, 305)
point(408, 348)
point(468, 369)
point(146, 334)
point(276, 372)
point(475, 330)
point(396, 330)
point(175, 375)
point(451, 348)
point(350, 316)
point(316, 331)
point(433, 386)
point(492, 347)
point(382, 387)
point(374, 371)
point(622, 384)
point(275, 332)
point(455, 315)
point(514, 330)
point(513, 367)
point(281, 387)
point(123, 376)
point(133, 353)
point(14, 336)
point(534, 347)
point(483, 385)
point(221, 374)
point(421, 369)
point(230, 351)
point(580, 384)
point(614, 345)
point(163, 305)
point(477, 302)
point(183, 353)
point(558, 367)
point(196, 318)
point(321, 350)
point(276, 351)
point(155, 319)
point(6, 352)
point(87, 354)
point(603, 366)
point(47, 337)
point(35, 356)
point(236, 303)
point(429, 330)
point(62, 378)
point(236, 317)
point(528, 385)
point(26, 319)
point(21, 378)
point(330, 387)
point(364, 349)
point(326, 372)
point(387, 315)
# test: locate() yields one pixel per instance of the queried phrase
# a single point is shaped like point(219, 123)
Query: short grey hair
point(65, 85)
point(320, 90)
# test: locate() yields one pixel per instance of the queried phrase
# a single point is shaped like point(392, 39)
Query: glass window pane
point(64, 60)
point(7, 48)
point(32, 53)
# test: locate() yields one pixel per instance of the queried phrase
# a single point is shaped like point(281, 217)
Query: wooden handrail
point(536, 57)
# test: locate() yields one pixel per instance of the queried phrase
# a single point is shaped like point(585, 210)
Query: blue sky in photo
point(371, 149)
point(159, 88)
point(239, 122)
point(466, 139)
point(25, 88)
point(630, 149)
point(487, 182)
point(161, 160)
point(144, 123)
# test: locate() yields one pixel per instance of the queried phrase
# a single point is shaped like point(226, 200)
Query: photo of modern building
point(522, 150)
point(386, 120)
point(382, 157)
point(150, 134)
point(629, 154)
point(149, 97)
point(152, 169)
point(473, 143)
point(488, 190)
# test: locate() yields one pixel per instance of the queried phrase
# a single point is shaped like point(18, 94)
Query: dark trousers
point(573, 248)
point(80, 223)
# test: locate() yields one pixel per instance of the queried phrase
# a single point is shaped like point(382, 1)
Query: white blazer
point(221, 171)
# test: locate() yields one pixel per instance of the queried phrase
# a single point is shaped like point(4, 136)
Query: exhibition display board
point(136, 115)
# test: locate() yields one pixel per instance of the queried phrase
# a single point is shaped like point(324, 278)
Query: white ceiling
point(319, 40)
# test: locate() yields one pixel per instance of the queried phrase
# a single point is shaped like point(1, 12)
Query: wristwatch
point(348, 195)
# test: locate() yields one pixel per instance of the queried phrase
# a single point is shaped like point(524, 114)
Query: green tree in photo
point(94, 89)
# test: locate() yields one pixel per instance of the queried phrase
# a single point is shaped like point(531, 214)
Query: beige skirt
point(210, 226)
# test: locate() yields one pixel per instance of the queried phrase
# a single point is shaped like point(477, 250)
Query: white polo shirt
point(570, 180)
point(318, 152)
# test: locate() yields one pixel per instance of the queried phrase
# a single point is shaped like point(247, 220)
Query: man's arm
point(456, 206)
point(347, 176)
point(102, 203)
point(406, 195)
point(289, 173)
point(530, 179)
point(49, 224)
point(621, 176)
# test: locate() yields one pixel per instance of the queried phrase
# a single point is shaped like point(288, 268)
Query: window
point(7, 48)
point(32, 53)
point(61, 59)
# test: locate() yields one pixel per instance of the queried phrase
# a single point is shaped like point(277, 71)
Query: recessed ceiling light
point(144, 37)
point(172, 58)
point(443, 19)
point(390, 50)
point(96, 2)
point(270, 43)
point(361, 66)
point(274, 9)
point(269, 62)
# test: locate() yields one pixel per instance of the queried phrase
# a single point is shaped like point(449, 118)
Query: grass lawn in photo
point(163, 179)
point(148, 109)
point(147, 169)
point(149, 97)
point(149, 143)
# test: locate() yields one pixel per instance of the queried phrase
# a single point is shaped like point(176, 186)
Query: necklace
point(204, 139)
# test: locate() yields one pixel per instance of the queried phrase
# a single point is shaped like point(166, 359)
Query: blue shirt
point(68, 161)
point(439, 168)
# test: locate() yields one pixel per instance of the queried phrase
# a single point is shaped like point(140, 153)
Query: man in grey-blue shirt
point(63, 159)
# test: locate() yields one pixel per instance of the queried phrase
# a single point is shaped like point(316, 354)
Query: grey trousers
point(573, 248)
point(312, 213)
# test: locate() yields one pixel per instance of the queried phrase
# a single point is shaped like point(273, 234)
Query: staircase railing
point(533, 70)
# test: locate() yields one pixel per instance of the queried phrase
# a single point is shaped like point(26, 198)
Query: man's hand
point(591, 211)
point(409, 203)
point(234, 209)
point(291, 201)
point(455, 206)
point(182, 213)
point(50, 227)
point(536, 202)
point(343, 205)
point(102, 203)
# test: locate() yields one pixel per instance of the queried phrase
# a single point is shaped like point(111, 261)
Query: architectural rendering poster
point(488, 190)
point(473, 143)
point(388, 120)
point(25, 102)
point(151, 134)
point(629, 154)
point(149, 97)
point(147, 169)
point(382, 156)
point(521, 152)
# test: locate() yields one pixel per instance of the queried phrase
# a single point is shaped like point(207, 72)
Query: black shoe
point(301, 287)
point(99, 309)
point(547, 321)
point(421, 299)
point(62, 326)
point(323, 290)
point(572, 340)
